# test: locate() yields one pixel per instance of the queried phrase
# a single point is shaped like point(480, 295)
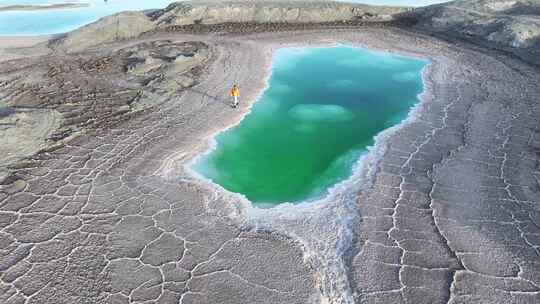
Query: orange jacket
point(235, 92)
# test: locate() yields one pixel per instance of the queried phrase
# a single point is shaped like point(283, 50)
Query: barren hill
point(131, 24)
point(510, 25)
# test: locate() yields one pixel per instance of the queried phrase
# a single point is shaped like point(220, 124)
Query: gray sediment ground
point(18, 47)
point(444, 209)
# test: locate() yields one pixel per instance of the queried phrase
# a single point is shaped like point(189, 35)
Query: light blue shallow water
point(321, 111)
point(20, 23)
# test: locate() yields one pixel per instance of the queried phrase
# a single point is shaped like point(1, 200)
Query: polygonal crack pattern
point(452, 216)
point(91, 222)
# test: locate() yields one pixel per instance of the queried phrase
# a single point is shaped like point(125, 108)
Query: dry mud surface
point(447, 210)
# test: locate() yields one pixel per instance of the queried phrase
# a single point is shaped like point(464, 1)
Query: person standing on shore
point(235, 93)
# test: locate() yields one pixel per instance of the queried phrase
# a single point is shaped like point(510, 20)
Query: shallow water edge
point(323, 108)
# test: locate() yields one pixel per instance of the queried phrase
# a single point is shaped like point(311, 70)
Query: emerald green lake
point(320, 112)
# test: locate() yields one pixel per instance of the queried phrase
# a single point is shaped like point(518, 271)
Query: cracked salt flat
point(60, 251)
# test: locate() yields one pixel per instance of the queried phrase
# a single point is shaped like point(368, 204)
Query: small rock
point(15, 187)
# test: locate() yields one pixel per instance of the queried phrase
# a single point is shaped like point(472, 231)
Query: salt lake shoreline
point(10, 46)
point(339, 245)
point(8, 8)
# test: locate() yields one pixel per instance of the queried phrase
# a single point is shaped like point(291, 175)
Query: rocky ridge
point(208, 12)
point(108, 29)
point(131, 24)
point(509, 25)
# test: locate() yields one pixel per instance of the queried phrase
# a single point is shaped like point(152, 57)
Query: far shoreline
point(10, 44)
point(22, 40)
point(42, 7)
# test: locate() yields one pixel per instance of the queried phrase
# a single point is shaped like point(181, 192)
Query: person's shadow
point(214, 98)
point(7, 111)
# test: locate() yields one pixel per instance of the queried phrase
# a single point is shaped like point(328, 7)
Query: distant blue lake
point(321, 111)
point(21, 23)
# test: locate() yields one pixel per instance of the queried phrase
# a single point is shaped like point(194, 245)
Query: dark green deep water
point(321, 111)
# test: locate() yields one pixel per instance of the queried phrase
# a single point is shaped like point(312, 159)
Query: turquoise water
point(64, 20)
point(321, 111)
